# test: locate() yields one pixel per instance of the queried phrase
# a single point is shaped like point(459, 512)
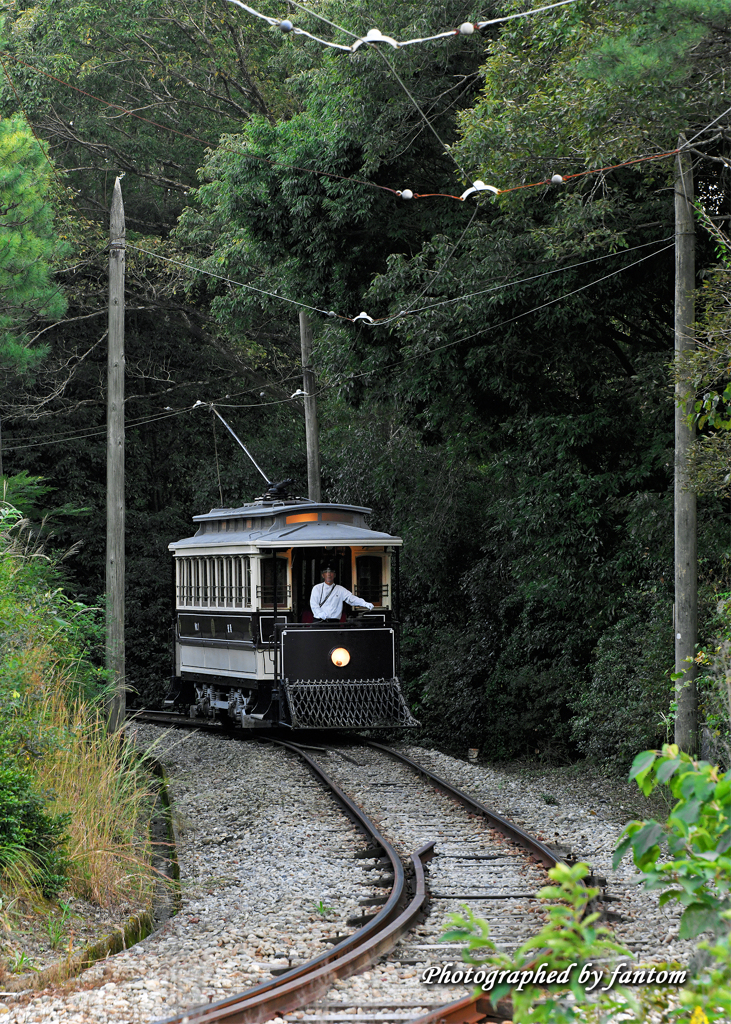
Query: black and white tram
point(246, 643)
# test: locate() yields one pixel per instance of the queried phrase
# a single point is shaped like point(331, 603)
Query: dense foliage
point(686, 859)
point(37, 646)
point(29, 245)
point(515, 427)
point(75, 799)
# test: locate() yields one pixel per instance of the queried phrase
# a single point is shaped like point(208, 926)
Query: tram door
point(307, 566)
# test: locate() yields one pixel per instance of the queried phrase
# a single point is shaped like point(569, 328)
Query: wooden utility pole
point(311, 431)
point(115, 463)
point(686, 550)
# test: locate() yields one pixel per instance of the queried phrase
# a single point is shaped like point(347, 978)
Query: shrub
point(32, 840)
point(621, 709)
point(75, 800)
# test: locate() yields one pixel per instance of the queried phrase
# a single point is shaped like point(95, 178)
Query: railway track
point(476, 849)
point(275, 842)
point(479, 857)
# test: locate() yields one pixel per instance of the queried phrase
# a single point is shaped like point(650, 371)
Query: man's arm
point(356, 602)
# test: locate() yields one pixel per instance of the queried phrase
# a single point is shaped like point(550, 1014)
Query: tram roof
point(264, 509)
point(285, 524)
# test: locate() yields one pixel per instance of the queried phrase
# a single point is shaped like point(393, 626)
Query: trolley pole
point(115, 464)
point(686, 551)
point(311, 431)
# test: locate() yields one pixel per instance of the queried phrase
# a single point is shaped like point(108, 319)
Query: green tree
point(526, 397)
point(514, 427)
point(28, 245)
point(140, 87)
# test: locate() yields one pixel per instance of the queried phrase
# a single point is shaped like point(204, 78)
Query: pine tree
point(27, 245)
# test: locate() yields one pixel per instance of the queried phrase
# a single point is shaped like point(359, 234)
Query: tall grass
point(77, 800)
point(98, 779)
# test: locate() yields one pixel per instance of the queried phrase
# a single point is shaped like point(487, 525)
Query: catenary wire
point(228, 280)
point(82, 432)
point(401, 193)
point(376, 36)
point(98, 432)
point(494, 327)
point(512, 284)
point(375, 322)
point(101, 431)
point(355, 376)
point(438, 274)
point(422, 115)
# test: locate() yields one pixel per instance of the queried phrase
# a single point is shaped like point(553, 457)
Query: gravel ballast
point(266, 862)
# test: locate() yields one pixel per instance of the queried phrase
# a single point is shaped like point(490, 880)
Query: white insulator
point(466, 28)
point(478, 186)
point(286, 25)
point(556, 179)
point(374, 35)
point(406, 194)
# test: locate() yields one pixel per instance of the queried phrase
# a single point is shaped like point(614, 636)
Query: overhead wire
point(229, 280)
point(92, 432)
point(513, 284)
point(375, 35)
point(409, 357)
point(371, 38)
point(430, 284)
point(429, 124)
point(82, 432)
point(384, 321)
point(404, 194)
point(503, 323)
point(101, 431)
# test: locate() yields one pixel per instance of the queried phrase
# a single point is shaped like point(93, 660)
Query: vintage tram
point(246, 644)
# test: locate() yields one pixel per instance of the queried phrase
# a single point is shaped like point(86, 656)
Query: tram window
point(369, 577)
point(216, 582)
point(266, 590)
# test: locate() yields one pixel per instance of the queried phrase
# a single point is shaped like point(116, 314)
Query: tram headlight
point(340, 657)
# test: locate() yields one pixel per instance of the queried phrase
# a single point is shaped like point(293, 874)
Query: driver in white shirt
point(326, 599)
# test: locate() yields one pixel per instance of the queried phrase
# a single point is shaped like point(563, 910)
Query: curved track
point(304, 984)
point(308, 981)
point(476, 861)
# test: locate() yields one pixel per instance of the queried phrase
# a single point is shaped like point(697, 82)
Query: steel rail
point(508, 828)
point(468, 1010)
point(179, 721)
point(300, 985)
point(477, 1007)
point(255, 1007)
point(309, 981)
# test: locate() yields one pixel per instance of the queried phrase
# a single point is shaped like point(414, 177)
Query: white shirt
point(326, 601)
